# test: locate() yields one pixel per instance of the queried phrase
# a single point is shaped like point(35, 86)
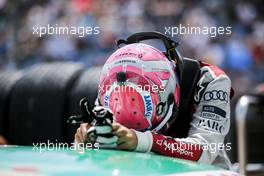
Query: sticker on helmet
point(106, 101)
point(148, 106)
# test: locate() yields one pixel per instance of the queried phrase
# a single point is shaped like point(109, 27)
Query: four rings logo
point(216, 95)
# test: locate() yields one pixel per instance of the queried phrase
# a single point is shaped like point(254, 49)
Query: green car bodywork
point(21, 160)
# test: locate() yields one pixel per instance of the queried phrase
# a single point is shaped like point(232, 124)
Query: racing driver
point(141, 87)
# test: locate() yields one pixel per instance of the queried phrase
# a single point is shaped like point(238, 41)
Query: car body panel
point(31, 161)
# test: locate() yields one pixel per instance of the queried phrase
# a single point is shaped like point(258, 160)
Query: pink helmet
point(140, 86)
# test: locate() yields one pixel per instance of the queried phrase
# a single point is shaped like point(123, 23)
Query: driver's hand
point(101, 134)
point(2, 140)
point(126, 138)
point(81, 133)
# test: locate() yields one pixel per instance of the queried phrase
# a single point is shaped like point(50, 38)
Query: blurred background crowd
point(240, 54)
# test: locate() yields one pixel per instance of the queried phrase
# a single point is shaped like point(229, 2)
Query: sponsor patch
point(213, 119)
point(106, 101)
point(148, 106)
point(213, 112)
point(129, 54)
point(211, 125)
point(175, 147)
point(125, 61)
point(216, 95)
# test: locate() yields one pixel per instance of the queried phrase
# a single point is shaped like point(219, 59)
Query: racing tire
point(7, 81)
point(39, 101)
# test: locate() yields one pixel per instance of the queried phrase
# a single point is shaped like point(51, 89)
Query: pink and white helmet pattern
point(143, 99)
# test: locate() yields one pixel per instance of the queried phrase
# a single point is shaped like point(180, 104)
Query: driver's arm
point(209, 126)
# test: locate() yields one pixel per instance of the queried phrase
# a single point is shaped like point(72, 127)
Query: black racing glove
point(101, 131)
point(101, 120)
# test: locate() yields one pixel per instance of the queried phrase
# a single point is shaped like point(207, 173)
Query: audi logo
point(216, 95)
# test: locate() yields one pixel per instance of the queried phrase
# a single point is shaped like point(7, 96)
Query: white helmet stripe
point(149, 66)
